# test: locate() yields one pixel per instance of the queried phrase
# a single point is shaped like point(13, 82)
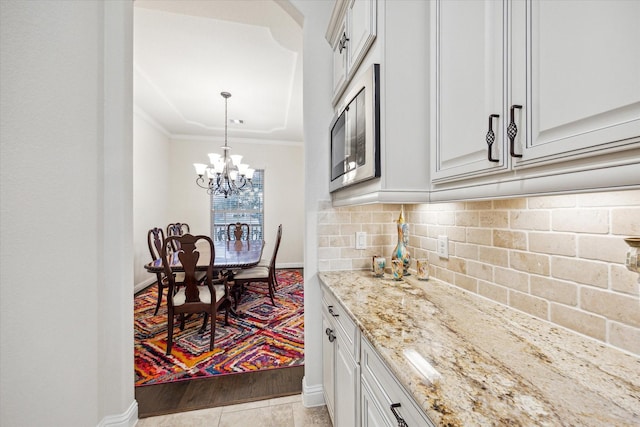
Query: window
point(247, 207)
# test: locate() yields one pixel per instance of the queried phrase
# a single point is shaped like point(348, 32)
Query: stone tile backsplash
point(559, 258)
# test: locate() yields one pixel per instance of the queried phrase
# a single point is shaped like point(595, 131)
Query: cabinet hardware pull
point(512, 131)
point(332, 313)
point(330, 334)
point(343, 42)
point(401, 421)
point(491, 137)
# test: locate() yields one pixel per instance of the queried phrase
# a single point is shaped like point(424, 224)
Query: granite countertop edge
point(497, 366)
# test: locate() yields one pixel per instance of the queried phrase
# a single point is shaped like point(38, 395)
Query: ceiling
point(188, 51)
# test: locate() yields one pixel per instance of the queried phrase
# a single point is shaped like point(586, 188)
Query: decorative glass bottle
point(401, 252)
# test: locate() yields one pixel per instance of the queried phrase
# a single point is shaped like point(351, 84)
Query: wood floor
point(222, 390)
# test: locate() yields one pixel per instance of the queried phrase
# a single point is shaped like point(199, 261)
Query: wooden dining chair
point(238, 231)
point(194, 294)
point(155, 240)
point(177, 229)
point(258, 274)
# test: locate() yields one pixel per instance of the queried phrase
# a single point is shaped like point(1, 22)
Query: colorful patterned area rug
point(261, 336)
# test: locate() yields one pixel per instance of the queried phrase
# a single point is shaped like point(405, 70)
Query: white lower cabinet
point(384, 401)
point(359, 388)
point(341, 368)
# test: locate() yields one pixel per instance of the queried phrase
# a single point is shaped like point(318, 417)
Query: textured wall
point(559, 258)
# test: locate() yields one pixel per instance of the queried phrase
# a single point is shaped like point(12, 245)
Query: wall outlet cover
point(442, 248)
point(361, 240)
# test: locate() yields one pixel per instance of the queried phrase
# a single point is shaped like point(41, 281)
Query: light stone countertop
point(498, 366)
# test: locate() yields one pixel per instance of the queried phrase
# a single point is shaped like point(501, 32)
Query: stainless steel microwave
point(355, 133)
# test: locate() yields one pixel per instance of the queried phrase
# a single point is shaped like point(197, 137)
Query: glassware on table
point(379, 263)
point(422, 269)
point(397, 269)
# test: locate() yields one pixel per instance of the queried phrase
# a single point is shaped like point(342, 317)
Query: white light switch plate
point(442, 248)
point(361, 240)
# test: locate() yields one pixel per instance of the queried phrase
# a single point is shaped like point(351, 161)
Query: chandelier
point(226, 174)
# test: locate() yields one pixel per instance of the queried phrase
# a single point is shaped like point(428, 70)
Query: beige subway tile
point(529, 304)
point(466, 251)
point(610, 198)
point(382, 239)
point(602, 248)
point(530, 263)
point(480, 270)
point(493, 256)
point(361, 264)
point(550, 202)
point(328, 229)
point(383, 217)
point(361, 217)
point(421, 229)
point(341, 264)
point(324, 265)
point(456, 206)
point(420, 253)
point(579, 321)
point(350, 229)
point(466, 282)
point(323, 241)
point(554, 290)
point(510, 239)
point(457, 265)
point(429, 217)
point(520, 203)
point(328, 253)
point(341, 241)
point(625, 337)
point(391, 229)
point(436, 230)
point(512, 279)
point(456, 234)
point(581, 220)
point(446, 218)
point(481, 205)
point(626, 221)
point(494, 292)
point(479, 236)
point(530, 220)
point(553, 243)
point(494, 219)
point(428, 243)
point(623, 308)
point(582, 271)
point(372, 228)
point(467, 219)
point(351, 253)
point(625, 281)
point(442, 274)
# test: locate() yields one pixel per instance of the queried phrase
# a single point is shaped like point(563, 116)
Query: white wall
point(66, 315)
point(151, 180)
point(283, 189)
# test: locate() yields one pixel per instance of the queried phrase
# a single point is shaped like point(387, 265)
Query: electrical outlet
point(361, 240)
point(442, 248)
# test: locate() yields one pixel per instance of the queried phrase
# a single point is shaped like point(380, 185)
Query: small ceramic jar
point(397, 269)
point(379, 264)
point(422, 269)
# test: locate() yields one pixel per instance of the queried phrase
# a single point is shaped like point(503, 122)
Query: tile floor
point(281, 412)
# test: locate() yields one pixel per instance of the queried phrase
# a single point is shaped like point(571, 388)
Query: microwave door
point(338, 147)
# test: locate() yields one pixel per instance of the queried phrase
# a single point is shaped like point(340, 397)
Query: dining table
point(229, 256)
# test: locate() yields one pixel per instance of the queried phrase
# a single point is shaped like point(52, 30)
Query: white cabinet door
point(468, 40)
point(340, 60)
point(372, 415)
point(583, 94)
point(362, 30)
point(347, 387)
point(328, 371)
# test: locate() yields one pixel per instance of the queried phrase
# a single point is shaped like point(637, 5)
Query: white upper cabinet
point(583, 96)
point(526, 91)
point(351, 32)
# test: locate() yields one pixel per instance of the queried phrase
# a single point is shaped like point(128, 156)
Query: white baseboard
point(140, 286)
point(290, 265)
point(312, 395)
point(127, 419)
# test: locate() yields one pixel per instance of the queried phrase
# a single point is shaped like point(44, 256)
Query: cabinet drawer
point(387, 391)
point(345, 326)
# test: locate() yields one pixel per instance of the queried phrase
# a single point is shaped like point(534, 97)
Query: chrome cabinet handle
point(343, 42)
point(330, 334)
point(491, 137)
point(332, 313)
point(399, 419)
point(512, 131)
